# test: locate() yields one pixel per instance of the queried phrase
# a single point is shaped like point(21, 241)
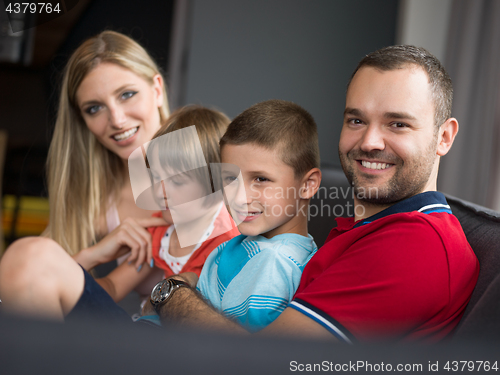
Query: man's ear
point(446, 136)
point(310, 183)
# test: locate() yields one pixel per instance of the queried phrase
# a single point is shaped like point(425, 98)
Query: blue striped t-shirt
point(252, 279)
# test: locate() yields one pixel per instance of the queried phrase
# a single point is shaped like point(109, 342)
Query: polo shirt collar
point(428, 202)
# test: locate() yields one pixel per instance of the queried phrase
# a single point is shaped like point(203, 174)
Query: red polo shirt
point(406, 273)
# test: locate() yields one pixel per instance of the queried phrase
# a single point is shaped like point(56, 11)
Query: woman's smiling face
point(119, 107)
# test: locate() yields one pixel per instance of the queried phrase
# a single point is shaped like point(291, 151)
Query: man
point(401, 268)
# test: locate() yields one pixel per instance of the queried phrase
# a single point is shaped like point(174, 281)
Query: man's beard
point(409, 179)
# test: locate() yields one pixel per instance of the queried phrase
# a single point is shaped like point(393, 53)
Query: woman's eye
point(92, 109)
point(128, 94)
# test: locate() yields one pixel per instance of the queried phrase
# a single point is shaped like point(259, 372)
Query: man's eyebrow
point(353, 112)
point(399, 115)
point(392, 115)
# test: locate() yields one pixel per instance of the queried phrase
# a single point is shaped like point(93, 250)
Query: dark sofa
point(481, 226)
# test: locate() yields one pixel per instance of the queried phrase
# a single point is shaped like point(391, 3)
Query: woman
point(113, 99)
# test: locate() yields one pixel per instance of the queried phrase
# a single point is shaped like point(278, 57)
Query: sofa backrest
point(482, 229)
point(333, 199)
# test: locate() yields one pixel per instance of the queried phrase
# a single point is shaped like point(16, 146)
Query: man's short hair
point(399, 57)
point(282, 125)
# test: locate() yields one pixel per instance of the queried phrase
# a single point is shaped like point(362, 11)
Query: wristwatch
point(163, 291)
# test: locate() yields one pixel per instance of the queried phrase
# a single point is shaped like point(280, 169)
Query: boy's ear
point(310, 183)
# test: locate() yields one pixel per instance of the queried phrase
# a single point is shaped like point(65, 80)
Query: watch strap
point(179, 283)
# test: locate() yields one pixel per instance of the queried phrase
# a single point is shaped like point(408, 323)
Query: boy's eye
point(128, 94)
point(92, 109)
point(261, 179)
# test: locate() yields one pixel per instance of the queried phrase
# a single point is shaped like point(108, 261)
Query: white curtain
point(471, 170)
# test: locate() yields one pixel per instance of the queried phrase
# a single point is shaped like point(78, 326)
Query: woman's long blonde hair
point(83, 176)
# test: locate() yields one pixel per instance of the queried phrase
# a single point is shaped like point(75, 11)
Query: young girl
point(178, 160)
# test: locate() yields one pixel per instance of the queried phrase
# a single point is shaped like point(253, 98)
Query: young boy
point(270, 161)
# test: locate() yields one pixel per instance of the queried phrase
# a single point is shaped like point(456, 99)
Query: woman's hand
point(131, 236)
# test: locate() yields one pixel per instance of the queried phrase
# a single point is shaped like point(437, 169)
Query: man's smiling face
point(388, 142)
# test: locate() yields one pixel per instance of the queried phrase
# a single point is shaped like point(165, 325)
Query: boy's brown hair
point(281, 125)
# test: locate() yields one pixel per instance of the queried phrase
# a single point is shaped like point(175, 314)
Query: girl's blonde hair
point(83, 176)
point(210, 126)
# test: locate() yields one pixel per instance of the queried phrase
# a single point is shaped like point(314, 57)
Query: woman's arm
point(123, 279)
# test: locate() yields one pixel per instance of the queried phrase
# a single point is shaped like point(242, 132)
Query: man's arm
point(187, 307)
point(293, 323)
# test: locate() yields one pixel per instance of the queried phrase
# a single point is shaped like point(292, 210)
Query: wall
point(424, 23)
point(242, 53)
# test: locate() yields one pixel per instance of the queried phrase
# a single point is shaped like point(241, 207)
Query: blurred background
point(232, 54)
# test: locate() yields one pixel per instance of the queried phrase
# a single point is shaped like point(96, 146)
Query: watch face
point(161, 291)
